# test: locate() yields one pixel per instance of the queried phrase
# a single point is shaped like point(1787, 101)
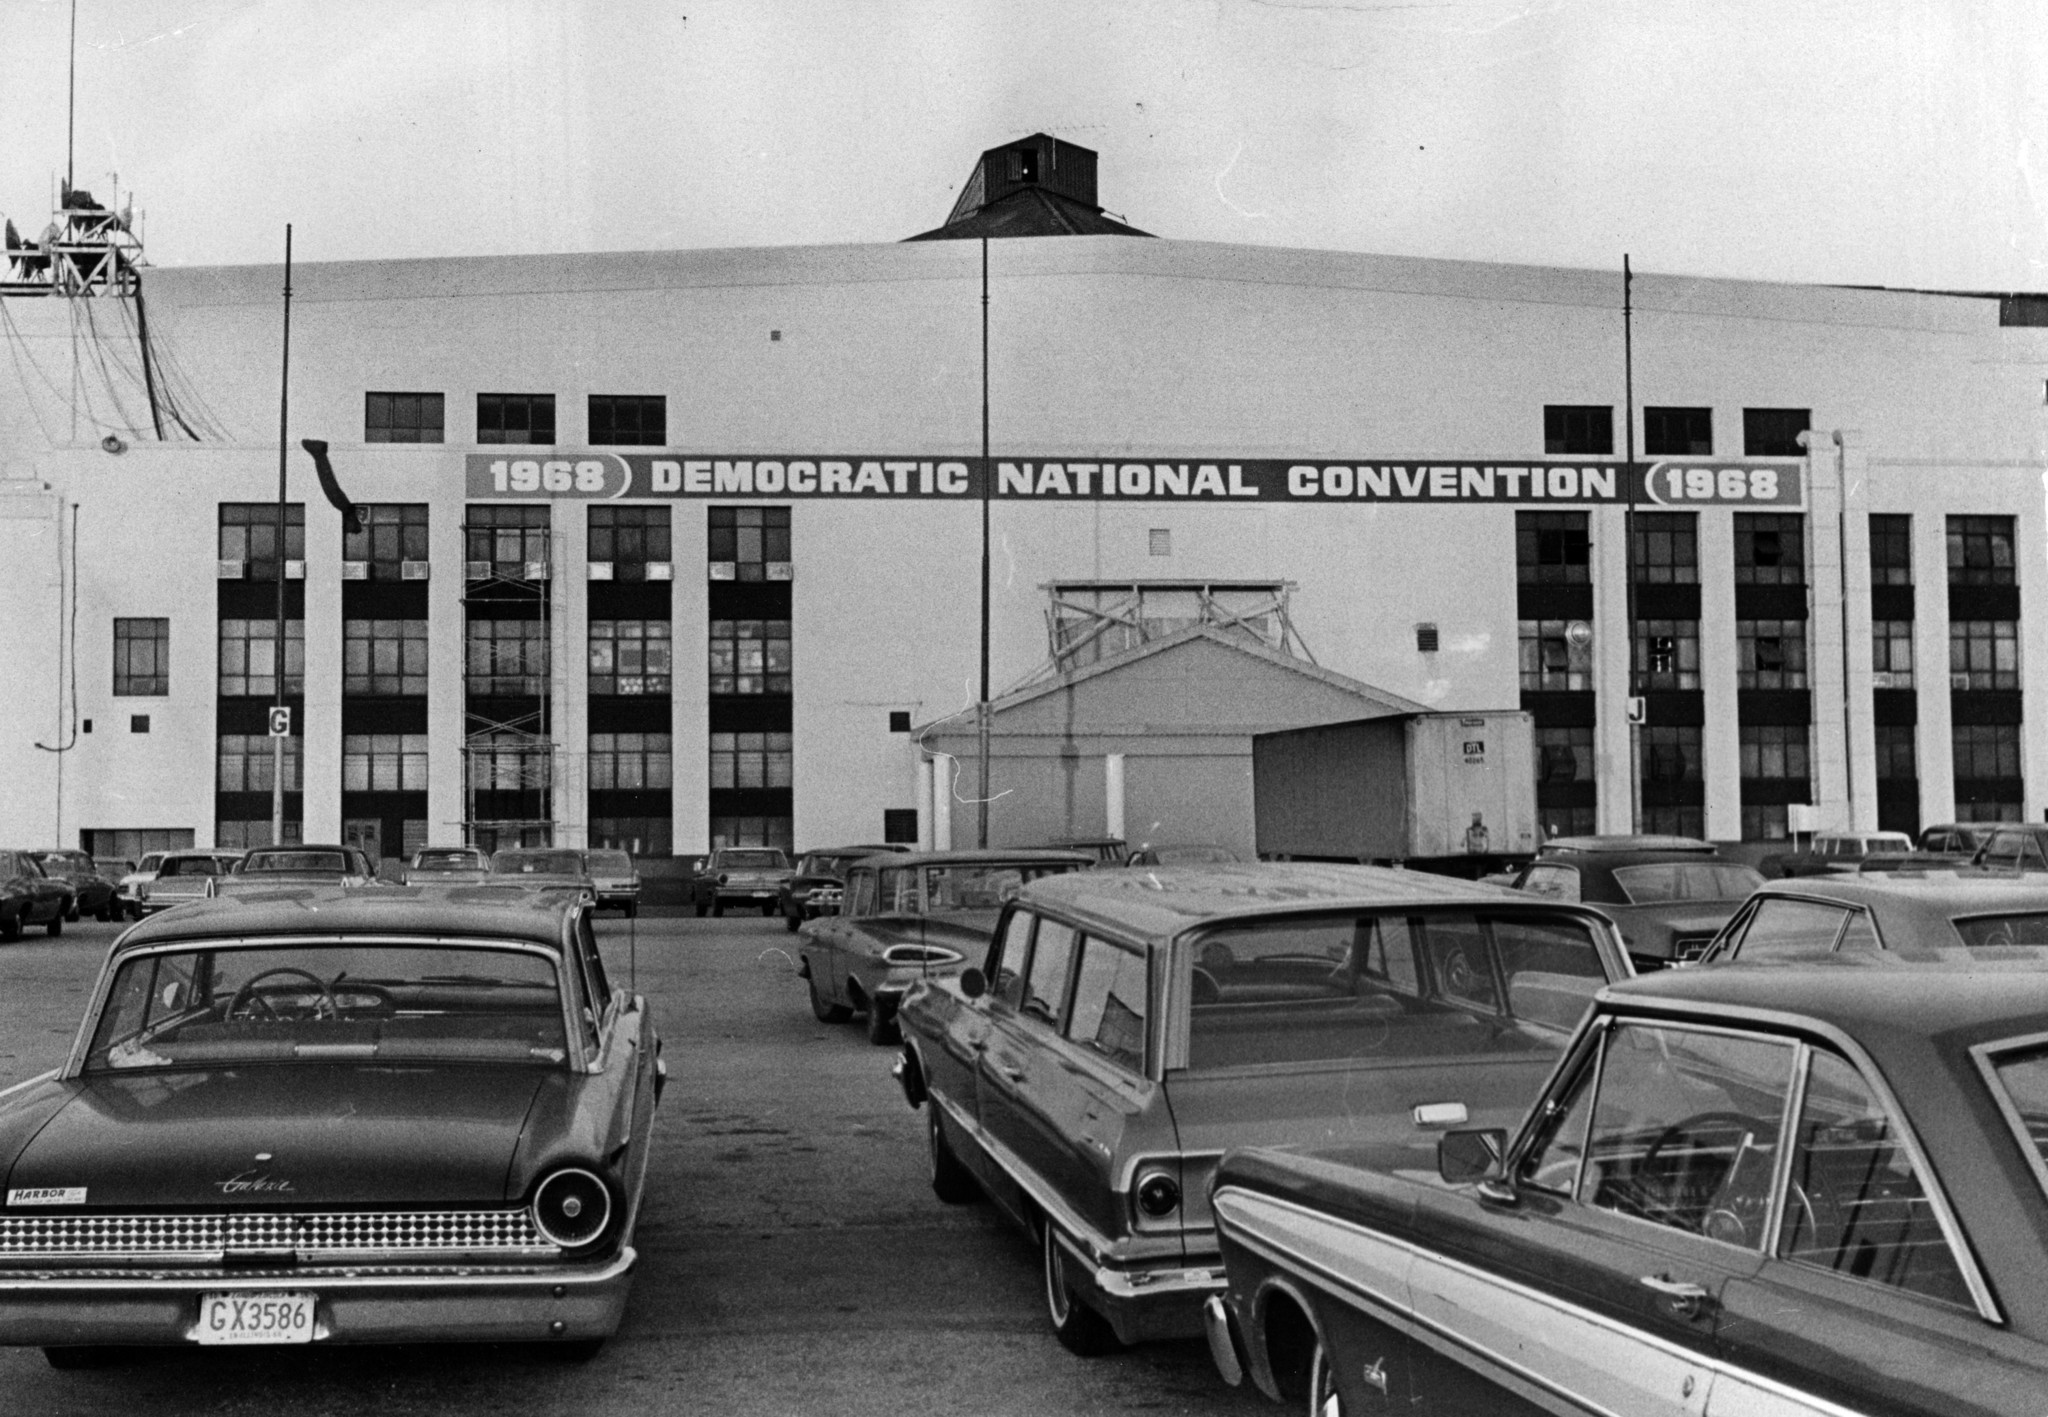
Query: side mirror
point(973, 983)
point(1466, 1156)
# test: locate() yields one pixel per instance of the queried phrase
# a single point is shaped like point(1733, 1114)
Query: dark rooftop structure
point(1036, 186)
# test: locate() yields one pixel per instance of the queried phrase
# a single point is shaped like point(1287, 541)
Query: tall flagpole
point(1628, 383)
point(987, 487)
point(277, 701)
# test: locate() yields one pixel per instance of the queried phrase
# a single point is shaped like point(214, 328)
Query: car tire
point(633, 911)
point(56, 925)
point(881, 1030)
point(767, 908)
point(824, 1012)
point(793, 922)
point(952, 1182)
point(106, 913)
point(717, 908)
point(702, 907)
point(1079, 1328)
point(10, 929)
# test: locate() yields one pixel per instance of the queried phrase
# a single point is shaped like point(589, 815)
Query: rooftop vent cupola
point(1035, 186)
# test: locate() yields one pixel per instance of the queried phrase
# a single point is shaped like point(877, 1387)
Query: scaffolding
point(514, 752)
point(1089, 621)
point(85, 250)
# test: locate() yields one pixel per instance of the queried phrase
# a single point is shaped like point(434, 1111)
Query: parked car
point(544, 868)
point(1127, 1027)
point(29, 897)
point(616, 880)
point(1181, 854)
point(1744, 1191)
point(1947, 845)
point(1836, 852)
point(335, 1117)
point(265, 868)
point(91, 893)
point(817, 884)
point(1107, 850)
point(2015, 848)
point(752, 875)
point(128, 889)
point(448, 866)
point(186, 876)
point(1905, 917)
point(1669, 904)
point(1648, 841)
point(909, 917)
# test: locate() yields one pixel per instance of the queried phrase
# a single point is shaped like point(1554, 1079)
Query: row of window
point(1555, 548)
point(1588, 429)
point(1769, 654)
point(614, 420)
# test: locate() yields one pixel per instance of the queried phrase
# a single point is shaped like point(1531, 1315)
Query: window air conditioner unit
point(295, 570)
point(600, 570)
point(536, 571)
point(413, 570)
point(660, 571)
point(355, 570)
point(476, 570)
point(232, 570)
point(725, 571)
point(781, 571)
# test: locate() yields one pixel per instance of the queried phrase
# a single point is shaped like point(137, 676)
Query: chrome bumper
point(1160, 1301)
point(52, 1308)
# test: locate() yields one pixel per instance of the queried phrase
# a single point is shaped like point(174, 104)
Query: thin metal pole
point(283, 414)
point(1628, 382)
point(987, 487)
point(71, 101)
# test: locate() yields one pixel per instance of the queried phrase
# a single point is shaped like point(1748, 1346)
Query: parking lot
point(793, 1258)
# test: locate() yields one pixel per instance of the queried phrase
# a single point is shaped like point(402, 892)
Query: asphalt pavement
point(793, 1258)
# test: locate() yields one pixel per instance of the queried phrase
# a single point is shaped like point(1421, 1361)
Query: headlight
point(571, 1208)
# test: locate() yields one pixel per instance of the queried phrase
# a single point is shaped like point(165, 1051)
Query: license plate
point(257, 1316)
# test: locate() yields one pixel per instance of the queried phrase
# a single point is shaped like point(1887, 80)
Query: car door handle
point(1012, 1073)
point(1685, 1296)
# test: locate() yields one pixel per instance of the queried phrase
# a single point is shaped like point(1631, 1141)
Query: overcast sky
point(1894, 142)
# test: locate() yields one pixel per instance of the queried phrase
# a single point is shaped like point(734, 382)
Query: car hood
point(342, 1135)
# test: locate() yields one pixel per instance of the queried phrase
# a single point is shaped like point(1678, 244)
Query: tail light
point(572, 1207)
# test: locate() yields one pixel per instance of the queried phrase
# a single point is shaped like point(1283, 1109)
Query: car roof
point(1159, 901)
point(1864, 1003)
point(1647, 842)
point(470, 912)
point(873, 849)
point(1619, 857)
point(1023, 857)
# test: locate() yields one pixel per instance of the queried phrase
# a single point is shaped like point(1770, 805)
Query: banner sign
point(1686, 482)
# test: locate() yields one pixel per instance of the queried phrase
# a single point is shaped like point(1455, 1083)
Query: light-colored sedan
point(182, 876)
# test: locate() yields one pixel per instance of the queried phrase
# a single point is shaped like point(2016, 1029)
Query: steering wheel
point(1726, 1220)
point(249, 997)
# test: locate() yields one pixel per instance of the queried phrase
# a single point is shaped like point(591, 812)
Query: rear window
point(1994, 931)
point(1399, 986)
point(611, 861)
point(261, 862)
point(446, 861)
point(1685, 880)
point(538, 863)
point(753, 860)
point(193, 866)
point(1792, 927)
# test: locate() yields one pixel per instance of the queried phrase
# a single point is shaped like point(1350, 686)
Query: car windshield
point(1430, 984)
point(1190, 855)
point(1685, 880)
point(263, 862)
point(981, 886)
point(614, 861)
point(753, 860)
point(214, 1005)
point(1993, 931)
point(64, 860)
point(537, 863)
point(826, 863)
point(447, 861)
point(192, 866)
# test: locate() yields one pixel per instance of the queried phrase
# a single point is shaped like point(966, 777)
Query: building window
point(1578, 428)
point(138, 723)
point(750, 760)
point(1986, 750)
point(1550, 660)
point(393, 533)
point(1764, 821)
point(1667, 655)
point(248, 658)
point(403, 418)
point(508, 761)
point(1564, 755)
point(1553, 548)
point(1675, 820)
point(753, 831)
point(636, 836)
point(515, 418)
point(1670, 753)
point(1666, 549)
point(1770, 549)
point(248, 537)
point(1774, 433)
point(142, 657)
point(509, 537)
point(1891, 549)
point(749, 656)
point(1775, 752)
point(749, 539)
point(246, 760)
point(1159, 541)
point(628, 420)
point(241, 835)
point(1891, 653)
point(630, 656)
point(384, 762)
point(1678, 432)
point(1770, 654)
point(508, 657)
point(899, 826)
point(1984, 654)
point(628, 538)
point(384, 657)
point(631, 762)
point(1898, 759)
point(899, 720)
point(1980, 551)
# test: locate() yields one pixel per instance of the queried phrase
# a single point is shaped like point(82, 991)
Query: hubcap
point(1056, 1301)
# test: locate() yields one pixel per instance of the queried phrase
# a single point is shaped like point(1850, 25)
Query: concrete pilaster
point(1720, 737)
point(1611, 631)
point(1935, 749)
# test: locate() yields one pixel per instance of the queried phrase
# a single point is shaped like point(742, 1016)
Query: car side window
point(1108, 1015)
point(1006, 968)
point(1455, 946)
point(1856, 1204)
point(1045, 982)
point(1780, 926)
point(860, 893)
point(2007, 849)
point(1552, 969)
point(1557, 882)
point(1685, 1129)
point(1390, 954)
point(900, 892)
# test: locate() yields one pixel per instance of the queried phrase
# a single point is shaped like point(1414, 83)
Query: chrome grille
point(324, 1233)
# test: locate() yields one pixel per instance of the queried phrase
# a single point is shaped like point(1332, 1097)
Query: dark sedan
point(1745, 1191)
point(91, 892)
point(1904, 917)
point(817, 887)
point(1668, 902)
point(28, 897)
point(281, 867)
point(329, 1117)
